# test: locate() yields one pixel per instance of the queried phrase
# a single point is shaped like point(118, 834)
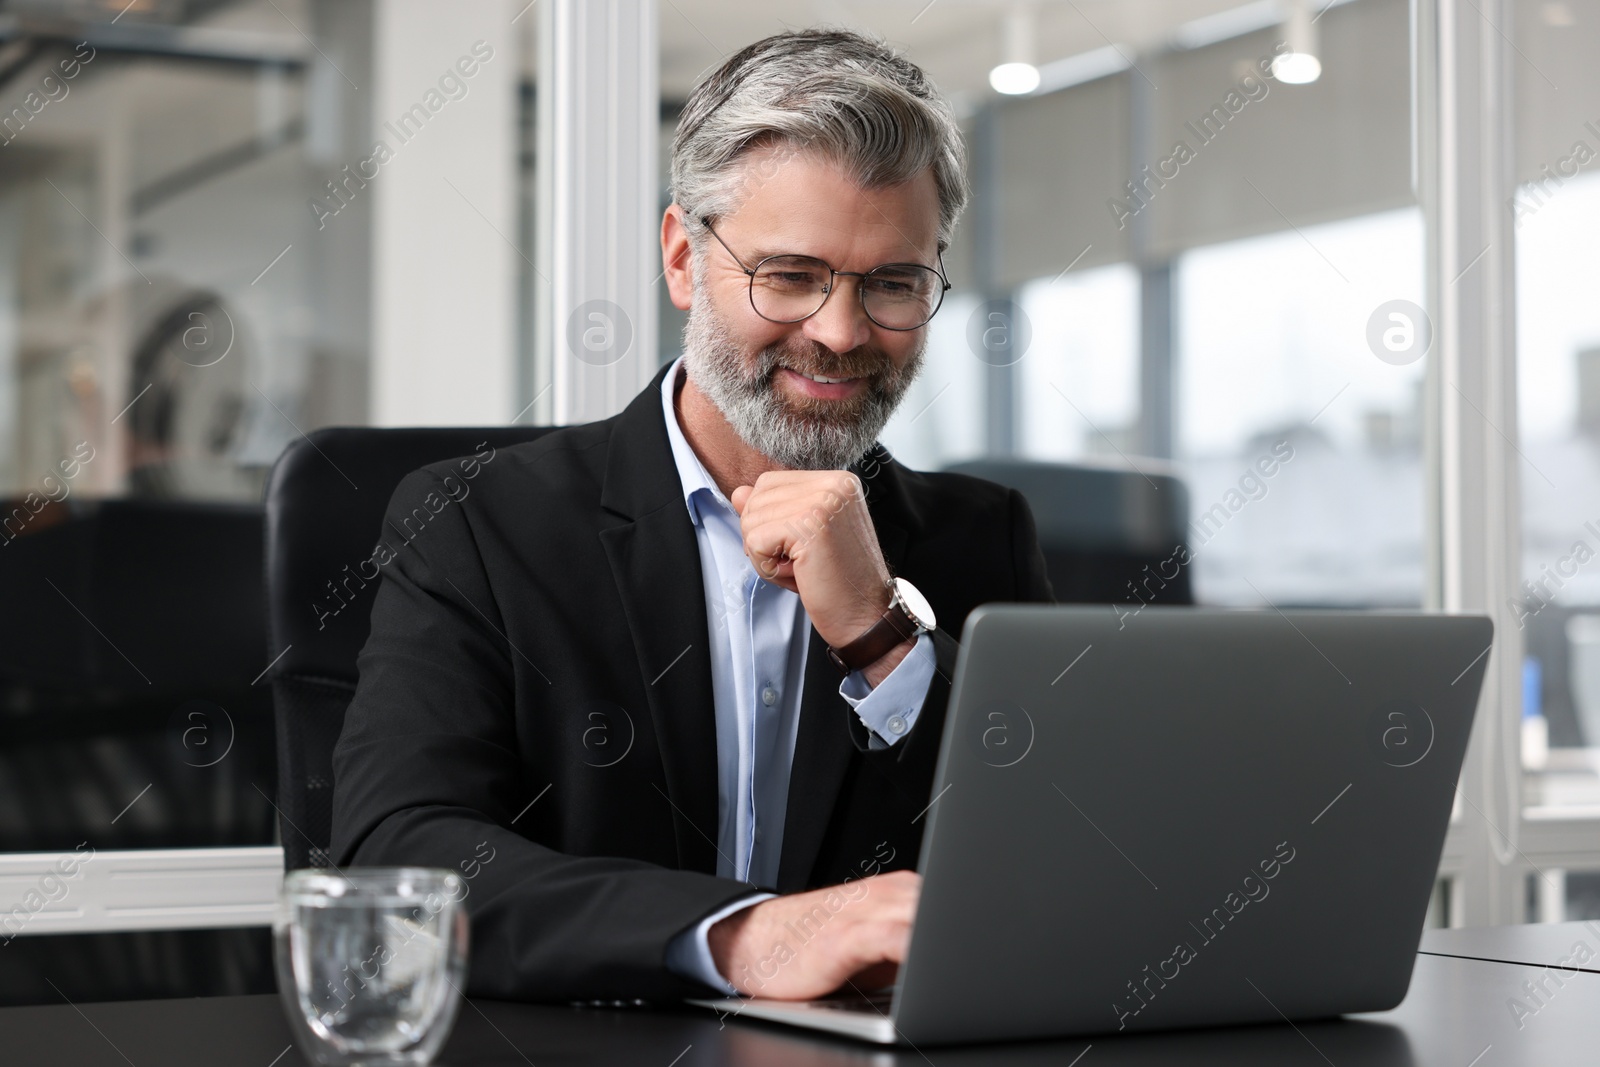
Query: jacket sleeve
point(427, 773)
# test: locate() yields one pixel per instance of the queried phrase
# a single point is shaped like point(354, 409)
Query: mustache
point(812, 357)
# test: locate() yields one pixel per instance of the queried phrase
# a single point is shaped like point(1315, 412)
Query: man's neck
point(727, 458)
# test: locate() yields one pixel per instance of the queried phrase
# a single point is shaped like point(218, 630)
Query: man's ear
point(677, 257)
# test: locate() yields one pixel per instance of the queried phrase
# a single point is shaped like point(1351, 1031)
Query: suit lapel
point(656, 566)
point(823, 749)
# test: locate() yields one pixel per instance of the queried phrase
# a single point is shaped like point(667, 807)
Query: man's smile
point(821, 387)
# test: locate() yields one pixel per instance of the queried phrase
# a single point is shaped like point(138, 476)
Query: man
point(669, 688)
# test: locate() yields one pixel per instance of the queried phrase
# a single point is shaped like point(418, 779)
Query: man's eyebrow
point(756, 255)
point(765, 253)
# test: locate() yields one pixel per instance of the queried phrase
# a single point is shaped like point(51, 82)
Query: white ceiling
point(955, 41)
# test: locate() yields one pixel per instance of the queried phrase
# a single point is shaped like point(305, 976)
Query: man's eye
point(790, 279)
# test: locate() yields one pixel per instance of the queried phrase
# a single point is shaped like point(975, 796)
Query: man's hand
point(811, 532)
point(807, 945)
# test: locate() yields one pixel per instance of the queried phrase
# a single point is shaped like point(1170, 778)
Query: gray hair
point(853, 100)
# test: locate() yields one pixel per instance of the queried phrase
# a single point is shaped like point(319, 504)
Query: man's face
point(761, 374)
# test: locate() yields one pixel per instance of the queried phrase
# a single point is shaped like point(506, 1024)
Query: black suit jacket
point(535, 706)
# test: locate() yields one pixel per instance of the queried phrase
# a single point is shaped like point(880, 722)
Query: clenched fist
point(811, 532)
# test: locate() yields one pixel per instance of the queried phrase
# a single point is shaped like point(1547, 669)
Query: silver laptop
point(1179, 818)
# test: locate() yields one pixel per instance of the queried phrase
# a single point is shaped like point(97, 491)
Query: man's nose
point(842, 324)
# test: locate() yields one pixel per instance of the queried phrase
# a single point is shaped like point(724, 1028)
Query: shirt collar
point(692, 474)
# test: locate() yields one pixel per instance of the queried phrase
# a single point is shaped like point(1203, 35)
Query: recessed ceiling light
point(1297, 68)
point(1014, 79)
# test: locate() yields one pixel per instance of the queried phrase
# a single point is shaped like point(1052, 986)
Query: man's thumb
point(740, 496)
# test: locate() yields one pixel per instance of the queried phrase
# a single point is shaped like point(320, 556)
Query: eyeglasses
point(788, 288)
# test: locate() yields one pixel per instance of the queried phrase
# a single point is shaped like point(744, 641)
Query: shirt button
point(769, 696)
point(897, 725)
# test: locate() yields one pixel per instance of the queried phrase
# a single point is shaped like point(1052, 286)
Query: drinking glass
point(371, 962)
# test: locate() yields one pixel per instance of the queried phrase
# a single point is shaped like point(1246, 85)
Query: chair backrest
point(1109, 536)
point(134, 632)
point(325, 503)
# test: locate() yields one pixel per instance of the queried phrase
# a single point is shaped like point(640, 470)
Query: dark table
point(1568, 946)
point(1458, 1014)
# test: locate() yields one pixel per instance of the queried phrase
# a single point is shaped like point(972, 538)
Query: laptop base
point(866, 1019)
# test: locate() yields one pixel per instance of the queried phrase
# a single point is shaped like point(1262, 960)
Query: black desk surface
point(1570, 946)
point(1458, 1014)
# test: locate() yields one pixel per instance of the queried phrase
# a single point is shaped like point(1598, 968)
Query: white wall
point(443, 266)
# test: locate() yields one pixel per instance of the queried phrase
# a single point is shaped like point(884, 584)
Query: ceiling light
point(1017, 75)
point(1297, 68)
point(1300, 65)
point(1014, 79)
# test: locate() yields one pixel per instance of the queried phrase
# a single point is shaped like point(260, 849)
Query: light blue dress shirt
point(759, 636)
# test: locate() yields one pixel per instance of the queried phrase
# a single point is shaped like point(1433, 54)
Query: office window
point(195, 254)
point(1555, 213)
point(164, 303)
point(1561, 896)
point(1078, 383)
point(1075, 386)
point(1301, 447)
point(1558, 380)
point(941, 419)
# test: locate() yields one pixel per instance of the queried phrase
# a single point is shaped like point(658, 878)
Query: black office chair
point(1109, 536)
point(122, 617)
point(325, 502)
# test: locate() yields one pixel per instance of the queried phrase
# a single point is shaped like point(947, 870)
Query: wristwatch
point(908, 615)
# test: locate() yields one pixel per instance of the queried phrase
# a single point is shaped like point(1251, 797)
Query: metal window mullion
point(599, 117)
point(1464, 127)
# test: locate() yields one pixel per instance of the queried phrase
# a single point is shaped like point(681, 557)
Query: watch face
point(915, 603)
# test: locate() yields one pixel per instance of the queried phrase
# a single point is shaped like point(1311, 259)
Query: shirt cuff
point(689, 951)
point(891, 709)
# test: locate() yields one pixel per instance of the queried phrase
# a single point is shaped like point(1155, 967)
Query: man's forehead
point(800, 202)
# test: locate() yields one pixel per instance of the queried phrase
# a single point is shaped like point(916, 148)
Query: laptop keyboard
point(870, 1003)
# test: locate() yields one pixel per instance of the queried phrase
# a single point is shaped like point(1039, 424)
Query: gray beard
point(822, 435)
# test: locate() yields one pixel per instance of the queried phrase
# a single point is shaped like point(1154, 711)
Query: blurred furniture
point(132, 634)
point(1109, 536)
point(325, 502)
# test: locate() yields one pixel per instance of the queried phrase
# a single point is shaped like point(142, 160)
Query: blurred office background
point(203, 257)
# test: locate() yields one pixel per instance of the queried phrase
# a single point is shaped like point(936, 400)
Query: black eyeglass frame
point(833, 276)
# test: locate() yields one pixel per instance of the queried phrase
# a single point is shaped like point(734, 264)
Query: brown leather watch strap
point(894, 627)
